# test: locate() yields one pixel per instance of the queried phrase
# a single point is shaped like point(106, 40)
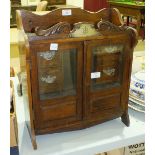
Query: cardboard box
point(116, 152)
point(13, 130)
point(135, 149)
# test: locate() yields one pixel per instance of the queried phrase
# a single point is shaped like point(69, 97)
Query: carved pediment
point(106, 26)
point(61, 28)
point(84, 29)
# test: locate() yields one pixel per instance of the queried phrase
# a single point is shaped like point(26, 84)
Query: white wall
point(78, 3)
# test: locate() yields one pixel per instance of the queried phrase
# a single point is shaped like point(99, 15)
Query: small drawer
point(59, 111)
point(107, 59)
point(105, 103)
point(49, 58)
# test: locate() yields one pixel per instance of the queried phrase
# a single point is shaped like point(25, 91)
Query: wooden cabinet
point(15, 7)
point(95, 5)
point(77, 72)
point(56, 2)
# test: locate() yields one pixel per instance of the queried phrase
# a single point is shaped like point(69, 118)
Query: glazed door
point(105, 78)
point(57, 84)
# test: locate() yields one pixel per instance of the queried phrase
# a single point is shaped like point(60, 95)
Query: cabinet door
point(57, 84)
point(105, 78)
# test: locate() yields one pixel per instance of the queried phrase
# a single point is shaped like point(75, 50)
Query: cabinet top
point(27, 20)
point(72, 24)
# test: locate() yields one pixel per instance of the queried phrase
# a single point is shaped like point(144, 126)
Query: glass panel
point(106, 70)
point(57, 72)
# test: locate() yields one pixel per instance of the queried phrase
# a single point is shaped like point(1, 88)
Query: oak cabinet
point(77, 72)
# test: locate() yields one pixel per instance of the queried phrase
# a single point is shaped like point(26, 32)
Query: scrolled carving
point(133, 35)
point(63, 28)
point(108, 26)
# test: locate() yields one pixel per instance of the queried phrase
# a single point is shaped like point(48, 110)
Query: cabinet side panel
point(27, 98)
point(22, 51)
point(24, 78)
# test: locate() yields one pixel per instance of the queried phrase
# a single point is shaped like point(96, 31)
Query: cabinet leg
point(125, 119)
point(34, 144)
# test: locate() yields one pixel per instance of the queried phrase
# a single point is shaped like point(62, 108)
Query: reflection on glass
point(49, 55)
point(57, 73)
point(106, 62)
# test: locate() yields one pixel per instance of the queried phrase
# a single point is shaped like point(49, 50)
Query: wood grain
point(78, 101)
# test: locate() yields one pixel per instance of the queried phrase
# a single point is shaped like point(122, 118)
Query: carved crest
point(84, 29)
point(108, 26)
point(133, 35)
point(62, 28)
